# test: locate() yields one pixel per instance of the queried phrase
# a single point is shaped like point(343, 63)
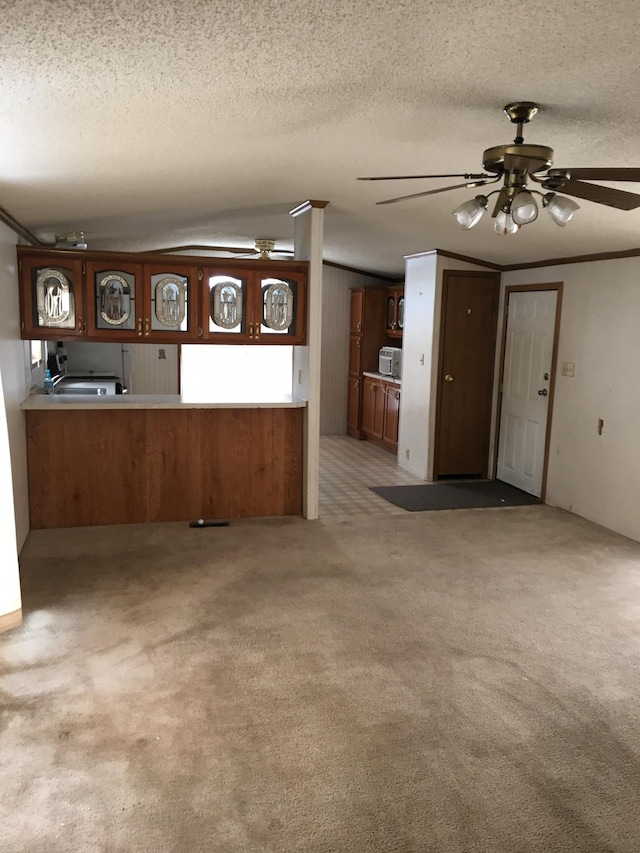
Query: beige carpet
point(455, 682)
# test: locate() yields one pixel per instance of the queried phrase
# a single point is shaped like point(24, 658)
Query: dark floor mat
point(484, 493)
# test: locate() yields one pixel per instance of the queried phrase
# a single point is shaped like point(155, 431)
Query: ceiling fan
point(513, 166)
point(264, 248)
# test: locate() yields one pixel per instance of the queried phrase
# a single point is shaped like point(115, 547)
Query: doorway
point(466, 374)
point(529, 357)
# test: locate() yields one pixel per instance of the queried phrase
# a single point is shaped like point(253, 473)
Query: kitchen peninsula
point(130, 459)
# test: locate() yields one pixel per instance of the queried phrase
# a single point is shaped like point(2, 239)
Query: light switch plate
point(568, 368)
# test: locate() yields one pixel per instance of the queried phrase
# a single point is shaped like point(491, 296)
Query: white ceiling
point(150, 123)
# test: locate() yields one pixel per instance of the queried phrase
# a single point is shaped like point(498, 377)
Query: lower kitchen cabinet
point(353, 407)
point(380, 408)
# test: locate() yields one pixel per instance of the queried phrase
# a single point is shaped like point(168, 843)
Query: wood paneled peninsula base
point(160, 459)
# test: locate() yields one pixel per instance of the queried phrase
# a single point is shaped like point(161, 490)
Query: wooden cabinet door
point(113, 300)
point(51, 297)
point(395, 311)
point(226, 305)
point(355, 355)
point(353, 407)
point(357, 312)
point(378, 411)
point(369, 405)
point(280, 307)
point(170, 305)
point(392, 410)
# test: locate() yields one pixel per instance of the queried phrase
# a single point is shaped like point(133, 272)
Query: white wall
point(596, 476)
point(15, 381)
point(336, 308)
point(419, 352)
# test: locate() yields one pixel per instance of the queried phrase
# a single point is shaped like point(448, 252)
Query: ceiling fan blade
point(503, 197)
point(466, 175)
point(469, 185)
point(615, 174)
point(234, 250)
point(601, 195)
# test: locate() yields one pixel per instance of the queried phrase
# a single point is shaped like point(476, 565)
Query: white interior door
point(526, 379)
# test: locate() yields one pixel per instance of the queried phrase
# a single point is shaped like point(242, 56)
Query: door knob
point(448, 377)
point(543, 392)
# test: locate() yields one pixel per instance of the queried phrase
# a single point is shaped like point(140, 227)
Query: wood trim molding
point(20, 229)
point(380, 276)
point(519, 288)
point(10, 620)
point(307, 205)
point(469, 260)
point(576, 259)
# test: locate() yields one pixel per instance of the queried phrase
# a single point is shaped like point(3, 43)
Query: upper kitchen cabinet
point(395, 311)
point(144, 298)
point(242, 305)
point(51, 296)
point(135, 301)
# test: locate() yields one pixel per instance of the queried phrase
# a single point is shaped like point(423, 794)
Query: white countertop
point(49, 402)
point(383, 377)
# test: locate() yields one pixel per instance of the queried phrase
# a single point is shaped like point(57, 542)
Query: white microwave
point(390, 361)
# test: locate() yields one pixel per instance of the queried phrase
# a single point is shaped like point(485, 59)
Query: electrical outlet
point(568, 368)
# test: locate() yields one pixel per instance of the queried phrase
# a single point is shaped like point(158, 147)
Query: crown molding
point(575, 259)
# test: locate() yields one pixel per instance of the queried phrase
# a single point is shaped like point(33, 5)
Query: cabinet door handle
point(79, 324)
point(357, 386)
point(358, 327)
point(84, 328)
point(146, 327)
point(250, 330)
point(448, 377)
point(199, 331)
point(139, 328)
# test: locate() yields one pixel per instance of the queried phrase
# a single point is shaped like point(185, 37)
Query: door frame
point(519, 288)
point(447, 275)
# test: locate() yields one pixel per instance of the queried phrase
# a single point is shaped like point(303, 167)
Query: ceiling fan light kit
point(560, 208)
point(470, 212)
point(514, 166)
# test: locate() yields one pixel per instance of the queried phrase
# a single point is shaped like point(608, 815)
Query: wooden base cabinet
point(128, 466)
point(380, 409)
point(353, 407)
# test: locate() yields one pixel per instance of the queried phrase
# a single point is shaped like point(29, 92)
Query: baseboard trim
point(10, 620)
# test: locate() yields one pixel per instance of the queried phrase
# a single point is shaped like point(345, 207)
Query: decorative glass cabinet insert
point(54, 302)
point(115, 292)
point(278, 306)
point(227, 297)
point(169, 302)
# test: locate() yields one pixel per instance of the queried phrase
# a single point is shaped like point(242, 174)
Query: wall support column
point(309, 231)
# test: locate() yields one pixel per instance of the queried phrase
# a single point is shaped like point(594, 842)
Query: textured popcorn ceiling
point(159, 123)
